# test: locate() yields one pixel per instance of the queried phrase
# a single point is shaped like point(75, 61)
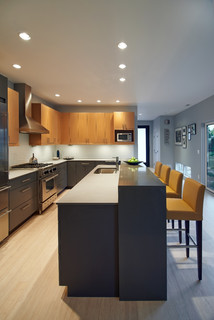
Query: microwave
point(124, 136)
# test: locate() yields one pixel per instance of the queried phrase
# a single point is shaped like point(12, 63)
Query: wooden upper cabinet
point(124, 121)
point(104, 128)
point(87, 128)
point(65, 128)
point(48, 118)
point(13, 117)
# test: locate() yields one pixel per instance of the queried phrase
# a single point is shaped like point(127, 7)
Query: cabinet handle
point(4, 214)
point(25, 190)
point(25, 207)
point(5, 188)
point(85, 163)
point(26, 180)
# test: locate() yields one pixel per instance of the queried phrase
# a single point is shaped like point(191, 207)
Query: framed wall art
point(193, 128)
point(184, 131)
point(184, 141)
point(178, 136)
point(189, 132)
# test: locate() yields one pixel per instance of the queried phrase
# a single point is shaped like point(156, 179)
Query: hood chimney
point(26, 123)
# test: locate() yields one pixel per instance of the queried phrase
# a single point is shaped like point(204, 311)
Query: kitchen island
point(112, 236)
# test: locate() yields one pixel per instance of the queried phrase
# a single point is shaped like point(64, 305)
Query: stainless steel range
point(47, 174)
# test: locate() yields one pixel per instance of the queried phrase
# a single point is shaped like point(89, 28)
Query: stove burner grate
point(31, 165)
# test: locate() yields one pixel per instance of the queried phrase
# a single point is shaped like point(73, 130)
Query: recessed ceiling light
point(79, 101)
point(98, 101)
point(57, 95)
point(16, 66)
point(122, 66)
point(117, 101)
point(24, 36)
point(122, 45)
point(122, 79)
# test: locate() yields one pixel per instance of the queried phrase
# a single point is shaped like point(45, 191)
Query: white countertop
point(94, 189)
point(15, 173)
point(18, 172)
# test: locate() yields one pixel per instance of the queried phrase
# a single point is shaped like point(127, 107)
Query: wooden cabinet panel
point(79, 128)
point(87, 128)
point(104, 134)
point(124, 121)
point(49, 118)
point(65, 128)
point(13, 117)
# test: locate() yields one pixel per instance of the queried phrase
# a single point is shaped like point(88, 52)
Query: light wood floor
point(29, 279)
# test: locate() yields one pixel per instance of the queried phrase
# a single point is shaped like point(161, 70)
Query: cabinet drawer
point(23, 180)
point(22, 194)
point(22, 212)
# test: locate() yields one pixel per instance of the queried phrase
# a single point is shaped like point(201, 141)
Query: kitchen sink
point(105, 170)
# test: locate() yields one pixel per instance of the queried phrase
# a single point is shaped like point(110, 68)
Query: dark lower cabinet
point(88, 249)
point(23, 199)
point(77, 170)
point(61, 179)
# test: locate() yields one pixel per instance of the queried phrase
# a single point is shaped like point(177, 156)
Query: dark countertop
point(140, 175)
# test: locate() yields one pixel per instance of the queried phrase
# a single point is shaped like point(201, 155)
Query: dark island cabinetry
point(112, 236)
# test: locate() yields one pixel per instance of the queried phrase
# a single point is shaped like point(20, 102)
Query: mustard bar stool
point(173, 190)
point(189, 208)
point(158, 166)
point(164, 174)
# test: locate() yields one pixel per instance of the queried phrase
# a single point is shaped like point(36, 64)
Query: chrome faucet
point(117, 162)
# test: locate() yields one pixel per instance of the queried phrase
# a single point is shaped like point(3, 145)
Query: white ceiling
point(73, 51)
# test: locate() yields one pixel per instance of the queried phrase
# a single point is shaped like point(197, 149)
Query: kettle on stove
point(33, 159)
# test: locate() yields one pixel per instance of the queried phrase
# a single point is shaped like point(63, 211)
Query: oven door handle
point(52, 177)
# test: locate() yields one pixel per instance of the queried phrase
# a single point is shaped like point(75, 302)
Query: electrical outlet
point(198, 176)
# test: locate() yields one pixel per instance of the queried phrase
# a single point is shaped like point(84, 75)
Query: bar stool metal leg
point(199, 247)
point(187, 237)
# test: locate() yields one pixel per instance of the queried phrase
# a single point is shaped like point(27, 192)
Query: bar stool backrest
point(193, 195)
point(164, 173)
point(175, 181)
point(158, 166)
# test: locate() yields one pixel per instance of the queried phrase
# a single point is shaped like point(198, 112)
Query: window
point(210, 156)
point(143, 144)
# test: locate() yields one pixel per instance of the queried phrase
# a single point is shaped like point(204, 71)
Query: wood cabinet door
point(104, 128)
point(83, 136)
point(129, 120)
point(74, 129)
point(13, 117)
point(65, 128)
point(45, 122)
point(124, 120)
point(91, 129)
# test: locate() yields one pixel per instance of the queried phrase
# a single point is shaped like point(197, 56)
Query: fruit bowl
point(133, 163)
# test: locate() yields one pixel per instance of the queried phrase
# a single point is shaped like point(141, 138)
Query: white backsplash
point(23, 152)
point(96, 151)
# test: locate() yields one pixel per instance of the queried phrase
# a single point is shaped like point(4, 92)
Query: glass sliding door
point(143, 144)
point(210, 156)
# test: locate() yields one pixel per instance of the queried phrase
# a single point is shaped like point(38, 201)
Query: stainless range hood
point(26, 123)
